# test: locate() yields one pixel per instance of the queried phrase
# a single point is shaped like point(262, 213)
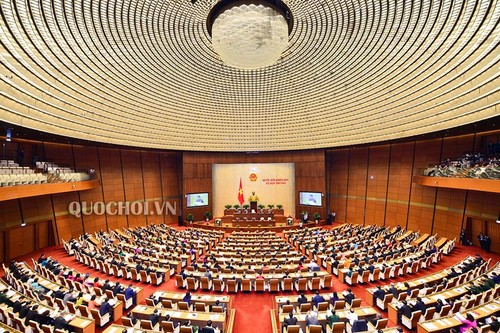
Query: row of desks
point(207, 298)
point(431, 299)
point(197, 318)
point(267, 277)
point(362, 312)
point(53, 286)
point(444, 324)
point(79, 324)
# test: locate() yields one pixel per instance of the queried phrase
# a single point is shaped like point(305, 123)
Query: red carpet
point(252, 309)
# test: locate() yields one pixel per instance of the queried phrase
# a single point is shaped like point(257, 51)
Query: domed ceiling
point(145, 73)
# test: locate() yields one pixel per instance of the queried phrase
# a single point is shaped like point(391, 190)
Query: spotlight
point(193, 1)
point(8, 135)
point(23, 224)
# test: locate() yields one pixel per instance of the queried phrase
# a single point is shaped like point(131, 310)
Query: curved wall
point(369, 184)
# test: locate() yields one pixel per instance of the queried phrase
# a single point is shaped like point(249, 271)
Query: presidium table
point(253, 217)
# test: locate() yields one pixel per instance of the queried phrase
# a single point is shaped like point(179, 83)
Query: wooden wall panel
point(152, 185)
point(422, 198)
point(3, 258)
point(449, 212)
point(171, 183)
point(134, 189)
point(68, 226)
point(87, 158)
point(43, 235)
point(53, 222)
point(19, 243)
point(61, 154)
point(356, 191)
point(377, 185)
point(10, 214)
point(455, 147)
point(398, 189)
point(493, 230)
point(483, 205)
point(339, 172)
point(112, 184)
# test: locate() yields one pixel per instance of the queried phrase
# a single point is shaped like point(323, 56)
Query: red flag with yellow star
point(241, 198)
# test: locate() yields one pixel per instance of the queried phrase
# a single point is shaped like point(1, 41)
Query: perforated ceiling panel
point(144, 73)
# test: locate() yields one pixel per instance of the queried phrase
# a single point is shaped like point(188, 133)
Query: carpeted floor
point(252, 309)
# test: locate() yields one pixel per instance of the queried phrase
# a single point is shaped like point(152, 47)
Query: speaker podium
point(253, 206)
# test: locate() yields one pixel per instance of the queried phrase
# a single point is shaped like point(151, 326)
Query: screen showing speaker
point(196, 199)
point(310, 198)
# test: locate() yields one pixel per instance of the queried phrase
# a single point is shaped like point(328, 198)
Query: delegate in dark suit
point(154, 318)
point(379, 293)
point(404, 310)
point(317, 299)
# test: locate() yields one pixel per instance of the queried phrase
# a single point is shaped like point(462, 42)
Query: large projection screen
point(273, 183)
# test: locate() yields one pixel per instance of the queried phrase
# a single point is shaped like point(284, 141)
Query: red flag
point(241, 198)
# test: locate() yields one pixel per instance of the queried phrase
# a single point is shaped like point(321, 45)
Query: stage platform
point(228, 228)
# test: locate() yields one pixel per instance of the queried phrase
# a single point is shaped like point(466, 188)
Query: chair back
point(217, 309)
point(315, 329)
point(71, 307)
point(183, 306)
point(381, 324)
point(245, 285)
point(259, 285)
point(126, 321)
point(231, 286)
point(167, 304)
point(365, 276)
point(167, 326)
point(315, 283)
point(287, 284)
point(293, 329)
point(217, 285)
point(302, 284)
point(198, 306)
point(287, 308)
point(356, 303)
point(146, 324)
point(46, 329)
point(84, 311)
point(135, 276)
point(429, 313)
point(186, 329)
point(273, 285)
point(179, 281)
point(35, 328)
point(327, 281)
point(445, 310)
point(155, 280)
point(305, 307)
point(339, 305)
point(456, 306)
point(323, 306)
point(338, 327)
point(204, 284)
point(191, 283)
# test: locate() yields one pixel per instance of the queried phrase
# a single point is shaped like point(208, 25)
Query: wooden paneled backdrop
point(369, 184)
point(309, 174)
point(125, 175)
point(373, 185)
